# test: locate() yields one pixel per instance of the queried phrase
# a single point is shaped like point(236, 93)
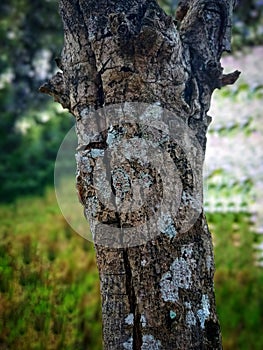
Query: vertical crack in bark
point(100, 92)
point(137, 334)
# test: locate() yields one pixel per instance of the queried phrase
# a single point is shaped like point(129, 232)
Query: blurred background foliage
point(31, 37)
point(31, 126)
point(49, 289)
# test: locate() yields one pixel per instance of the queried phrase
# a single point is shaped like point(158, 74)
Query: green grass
point(238, 281)
point(49, 287)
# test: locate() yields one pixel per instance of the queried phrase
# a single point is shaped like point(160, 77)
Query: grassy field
point(49, 288)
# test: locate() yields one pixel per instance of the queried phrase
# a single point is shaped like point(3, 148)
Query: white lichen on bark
point(179, 275)
point(129, 319)
point(150, 343)
point(204, 312)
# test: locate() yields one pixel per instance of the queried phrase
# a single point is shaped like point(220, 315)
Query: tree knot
point(118, 23)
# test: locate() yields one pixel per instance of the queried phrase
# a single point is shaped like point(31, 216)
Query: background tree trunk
point(156, 269)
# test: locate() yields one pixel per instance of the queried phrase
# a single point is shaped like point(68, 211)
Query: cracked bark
point(159, 294)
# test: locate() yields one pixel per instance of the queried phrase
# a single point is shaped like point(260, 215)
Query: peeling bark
point(157, 294)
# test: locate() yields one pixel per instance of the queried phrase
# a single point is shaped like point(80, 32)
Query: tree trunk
point(139, 85)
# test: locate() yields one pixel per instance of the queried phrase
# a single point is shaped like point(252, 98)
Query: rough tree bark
point(156, 269)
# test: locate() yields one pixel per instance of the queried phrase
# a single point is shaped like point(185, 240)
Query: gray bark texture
point(121, 59)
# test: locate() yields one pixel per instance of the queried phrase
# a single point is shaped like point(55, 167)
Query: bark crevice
point(133, 305)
